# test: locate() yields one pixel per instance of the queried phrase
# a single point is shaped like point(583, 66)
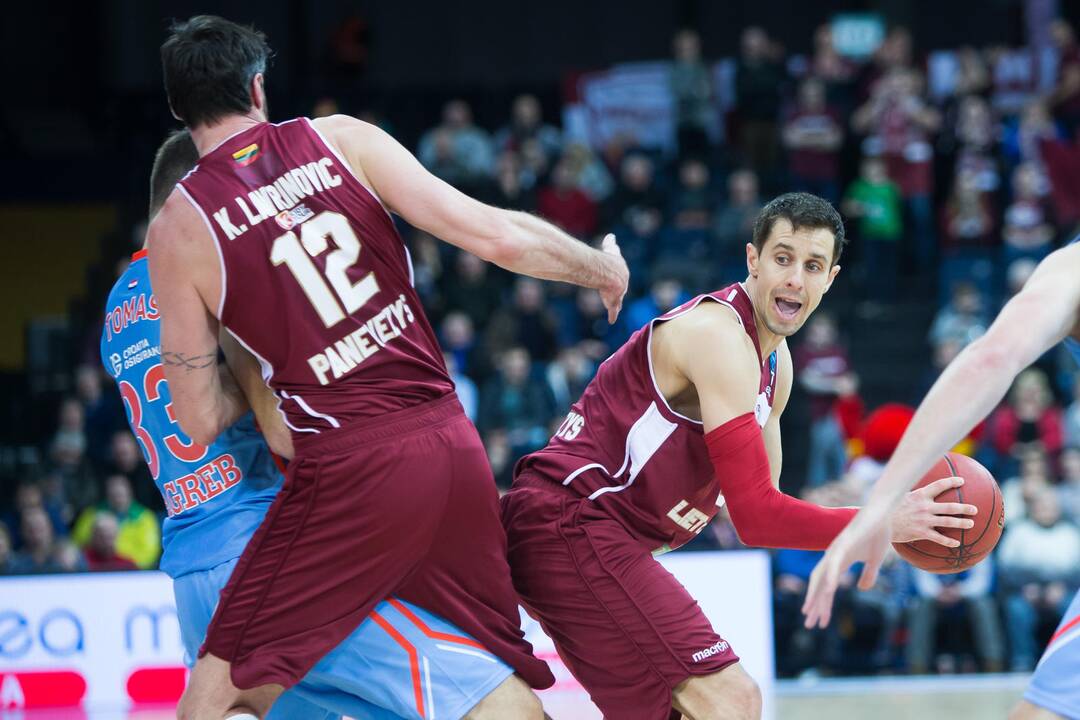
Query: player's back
point(625, 448)
point(215, 496)
point(316, 280)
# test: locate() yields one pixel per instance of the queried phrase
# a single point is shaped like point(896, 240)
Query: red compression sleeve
point(762, 515)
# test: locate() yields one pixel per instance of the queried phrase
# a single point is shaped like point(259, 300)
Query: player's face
point(790, 274)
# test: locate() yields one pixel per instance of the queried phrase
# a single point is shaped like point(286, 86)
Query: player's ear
point(173, 113)
point(832, 276)
point(751, 260)
point(258, 92)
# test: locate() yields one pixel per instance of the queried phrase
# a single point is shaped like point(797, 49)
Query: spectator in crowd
point(812, 136)
point(29, 496)
point(1069, 490)
point(527, 124)
point(759, 81)
point(126, 459)
point(467, 393)
point(1030, 419)
point(510, 189)
point(592, 332)
point(968, 219)
point(976, 134)
point(526, 321)
point(7, 556)
point(513, 404)
point(964, 319)
point(1028, 231)
point(1033, 474)
point(457, 335)
point(501, 457)
point(1039, 567)
point(900, 127)
point(1072, 416)
point(589, 174)
point(965, 594)
point(1065, 97)
point(100, 553)
point(426, 254)
point(685, 242)
point(875, 200)
point(832, 68)
point(665, 293)
point(733, 226)
point(797, 649)
point(635, 212)
point(691, 88)
point(475, 288)
point(139, 536)
point(568, 376)
point(41, 552)
point(102, 411)
point(564, 204)
point(457, 150)
point(1022, 136)
point(824, 372)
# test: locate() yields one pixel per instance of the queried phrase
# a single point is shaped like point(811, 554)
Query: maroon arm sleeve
point(762, 515)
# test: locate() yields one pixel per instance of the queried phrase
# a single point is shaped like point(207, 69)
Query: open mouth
point(787, 309)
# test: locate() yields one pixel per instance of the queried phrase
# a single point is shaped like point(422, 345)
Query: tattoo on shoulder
point(188, 362)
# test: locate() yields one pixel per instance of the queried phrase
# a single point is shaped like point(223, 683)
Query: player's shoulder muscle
point(708, 342)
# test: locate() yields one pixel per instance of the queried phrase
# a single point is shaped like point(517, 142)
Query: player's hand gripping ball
point(979, 489)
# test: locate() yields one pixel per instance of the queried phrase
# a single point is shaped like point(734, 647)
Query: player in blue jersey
point(402, 662)
point(1044, 313)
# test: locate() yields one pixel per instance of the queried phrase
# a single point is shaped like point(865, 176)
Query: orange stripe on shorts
point(433, 634)
point(414, 662)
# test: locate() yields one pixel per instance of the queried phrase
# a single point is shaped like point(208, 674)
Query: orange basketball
point(979, 489)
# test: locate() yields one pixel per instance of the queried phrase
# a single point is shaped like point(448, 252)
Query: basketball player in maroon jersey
point(282, 235)
point(682, 419)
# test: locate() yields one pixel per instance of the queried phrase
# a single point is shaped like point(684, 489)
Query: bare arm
point(517, 241)
point(1039, 317)
point(245, 369)
point(205, 399)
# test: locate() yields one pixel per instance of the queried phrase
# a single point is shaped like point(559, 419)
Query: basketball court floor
point(957, 697)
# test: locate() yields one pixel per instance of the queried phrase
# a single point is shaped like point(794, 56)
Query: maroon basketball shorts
point(626, 628)
point(407, 507)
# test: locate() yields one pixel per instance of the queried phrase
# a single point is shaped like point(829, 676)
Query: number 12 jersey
point(316, 281)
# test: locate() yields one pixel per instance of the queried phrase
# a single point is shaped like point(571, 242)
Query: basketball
point(979, 489)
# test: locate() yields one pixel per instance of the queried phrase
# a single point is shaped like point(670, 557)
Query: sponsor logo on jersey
point(288, 219)
point(717, 649)
point(246, 156)
point(117, 365)
point(692, 520)
point(135, 354)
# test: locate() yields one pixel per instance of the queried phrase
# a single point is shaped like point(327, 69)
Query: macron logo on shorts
point(717, 649)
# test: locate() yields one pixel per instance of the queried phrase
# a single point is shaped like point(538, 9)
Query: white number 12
point(313, 237)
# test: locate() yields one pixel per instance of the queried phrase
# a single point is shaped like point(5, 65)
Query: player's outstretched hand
point(866, 538)
point(613, 294)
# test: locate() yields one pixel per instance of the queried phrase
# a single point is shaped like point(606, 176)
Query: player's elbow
point(200, 427)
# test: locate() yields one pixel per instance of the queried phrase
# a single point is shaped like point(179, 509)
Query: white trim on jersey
point(333, 149)
point(217, 246)
point(648, 346)
point(267, 373)
point(645, 437)
point(408, 261)
point(311, 411)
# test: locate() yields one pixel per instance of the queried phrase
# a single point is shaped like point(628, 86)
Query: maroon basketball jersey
point(316, 281)
point(623, 447)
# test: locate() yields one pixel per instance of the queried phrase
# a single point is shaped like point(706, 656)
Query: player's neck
point(768, 341)
point(208, 137)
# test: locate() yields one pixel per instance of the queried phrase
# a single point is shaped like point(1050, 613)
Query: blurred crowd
point(956, 173)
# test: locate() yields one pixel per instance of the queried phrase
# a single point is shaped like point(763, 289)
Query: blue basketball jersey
point(1072, 343)
point(215, 496)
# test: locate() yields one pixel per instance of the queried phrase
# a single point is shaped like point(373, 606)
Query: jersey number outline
point(189, 451)
point(289, 250)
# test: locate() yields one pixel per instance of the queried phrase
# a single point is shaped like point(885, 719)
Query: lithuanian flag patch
point(246, 156)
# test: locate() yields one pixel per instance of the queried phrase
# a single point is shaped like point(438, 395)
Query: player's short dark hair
point(173, 160)
point(802, 210)
point(208, 64)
